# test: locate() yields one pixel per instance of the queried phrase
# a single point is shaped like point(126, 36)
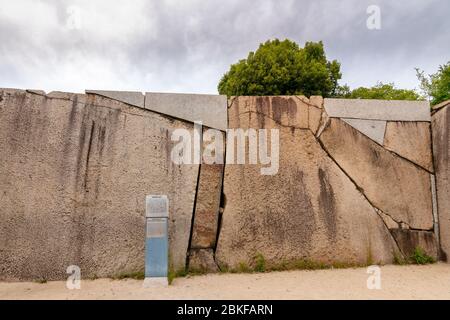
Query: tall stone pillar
point(441, 141)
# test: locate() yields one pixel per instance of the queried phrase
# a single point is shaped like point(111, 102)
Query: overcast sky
point(186, 46)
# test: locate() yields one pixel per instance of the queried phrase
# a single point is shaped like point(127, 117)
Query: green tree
point(383, 91)
point(283, 68)
point(436, 86)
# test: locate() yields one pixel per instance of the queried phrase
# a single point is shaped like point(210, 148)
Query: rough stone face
point(316, 101)
point(202, 260)
point(388, 221)
point(287, 111)
point(395, 186)
point(441, 142)
point(411, 140)
point(315, 116)
point(310, 209)
point(409, 240)
point(74, 181)
point(206, 217)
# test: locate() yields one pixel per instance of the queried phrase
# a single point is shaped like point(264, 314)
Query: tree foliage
point(382, 91)
point(283, 68)
point(436, 86)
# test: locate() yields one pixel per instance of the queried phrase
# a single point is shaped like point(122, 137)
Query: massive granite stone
point(441, 149)
point(372, 109)
point(309, 210)
point(74, 175)
point(209, 109)
point(397, 187)
point(411, 140)
point(206, 216)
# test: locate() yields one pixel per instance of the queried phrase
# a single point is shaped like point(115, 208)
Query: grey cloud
point(188, 45)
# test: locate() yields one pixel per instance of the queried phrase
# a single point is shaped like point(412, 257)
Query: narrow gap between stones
point(86, 173)
point(193, 218)
point(222, 204)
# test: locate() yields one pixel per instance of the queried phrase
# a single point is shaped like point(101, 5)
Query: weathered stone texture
point(392, 184)
point(411, 140)
point(310, 209)
point(74, 175)
point(409, 240)
point(289, 111)
point(202, 260)
point(315, 117)
point(441, 148)
point(206, 217)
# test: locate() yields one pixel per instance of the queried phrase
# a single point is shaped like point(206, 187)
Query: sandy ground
point(397, 282)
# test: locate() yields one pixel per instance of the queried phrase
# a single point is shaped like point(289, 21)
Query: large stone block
point(411, 140)
point(441, 149)
point(392, 184)
point(374, 129)
point(391, 110)
point(206, 216)
point(288, 111)
point(309, 210)
point(211, 110)
point(74, 181)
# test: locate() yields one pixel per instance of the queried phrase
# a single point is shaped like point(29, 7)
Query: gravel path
point(397, 282)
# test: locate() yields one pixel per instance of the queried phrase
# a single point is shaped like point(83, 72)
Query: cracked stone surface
point(310, 209)
point(411, 140)
point(394, 185)
point(74, 182)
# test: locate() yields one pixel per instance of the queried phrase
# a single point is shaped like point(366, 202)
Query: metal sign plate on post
point(157, 241)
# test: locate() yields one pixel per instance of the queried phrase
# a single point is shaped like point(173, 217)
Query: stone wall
point(75, 170)
point(355, 183)
point(343, 194)
point(441, 149)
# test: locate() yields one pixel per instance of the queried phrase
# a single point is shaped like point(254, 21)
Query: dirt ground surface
point(397, 282)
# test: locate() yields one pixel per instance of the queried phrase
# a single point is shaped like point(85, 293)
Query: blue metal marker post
point(157, 241)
